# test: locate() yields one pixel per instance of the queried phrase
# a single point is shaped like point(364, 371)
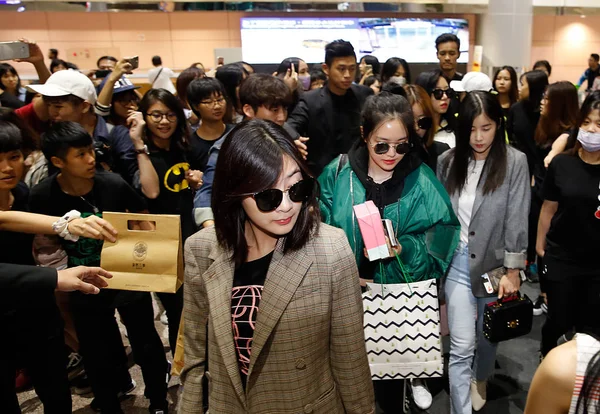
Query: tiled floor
point(507, 392)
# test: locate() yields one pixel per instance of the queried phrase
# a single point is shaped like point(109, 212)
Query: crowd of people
point(474, 174)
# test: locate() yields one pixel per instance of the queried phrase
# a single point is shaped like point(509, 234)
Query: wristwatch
point(143, 150)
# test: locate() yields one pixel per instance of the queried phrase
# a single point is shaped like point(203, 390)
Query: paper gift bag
point(178, 356)
point(402, 330)
point(371, 229)
point(144, 260)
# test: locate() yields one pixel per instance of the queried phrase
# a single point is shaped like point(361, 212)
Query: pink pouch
point(371, 229)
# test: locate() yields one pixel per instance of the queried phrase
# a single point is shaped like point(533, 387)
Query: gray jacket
point(498, 228)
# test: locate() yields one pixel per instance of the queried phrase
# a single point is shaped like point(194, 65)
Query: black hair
point(391, 66)
point(6, 68)
point(57, 62)
point(393, 88)
point(591, 103)
point(370, 80)
point(545, 64)
point(231, 76)
point(317, 74)
point(156, 60)
point(338, 49)
point(445, 38)
point(429, 79)
point(513, 93)
point(243, 65)
point(62, 136)
point(373, 61)
point(15, 134)
point(179, 139)
point(111, 58)
point(595, 56)
point(72, 99)
point(54, 51)
point(183, 81)
point(262, 89)
point(73, 66)
point(537, 80)
point(287, 64)
point(201, 89)
point(477, 103)
point(387, 107)
point(257, 149)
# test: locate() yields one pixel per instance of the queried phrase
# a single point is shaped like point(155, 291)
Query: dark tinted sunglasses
point(384, 147)
point(269, 200)
point(424, 122)
point(438, 93)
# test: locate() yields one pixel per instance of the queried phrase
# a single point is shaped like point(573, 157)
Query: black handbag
point(508, 318)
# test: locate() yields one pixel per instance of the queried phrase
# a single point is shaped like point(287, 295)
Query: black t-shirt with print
point(110, 193)
point(248, 282)
point(175, 196)
point(574, 233)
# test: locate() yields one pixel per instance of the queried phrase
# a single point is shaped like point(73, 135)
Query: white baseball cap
point(68, 82)
point(473, 81)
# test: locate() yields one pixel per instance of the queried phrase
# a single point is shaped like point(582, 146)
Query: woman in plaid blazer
point(278, 291)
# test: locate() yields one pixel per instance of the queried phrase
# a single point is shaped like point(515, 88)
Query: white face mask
point(590, 141)
point(400, 80)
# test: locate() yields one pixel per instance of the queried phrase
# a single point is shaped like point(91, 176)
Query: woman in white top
point(568, 380)
point(442, 97)
point(488, 183)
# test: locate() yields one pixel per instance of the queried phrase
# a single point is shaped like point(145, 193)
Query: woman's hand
point(136, 124)
point(291, 78)
point(509, 284)
point(93, 227)
point(194, 178)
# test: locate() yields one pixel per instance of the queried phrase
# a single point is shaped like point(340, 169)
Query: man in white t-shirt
point(160, 77)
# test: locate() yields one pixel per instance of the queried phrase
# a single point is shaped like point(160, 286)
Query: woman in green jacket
point(385, 167)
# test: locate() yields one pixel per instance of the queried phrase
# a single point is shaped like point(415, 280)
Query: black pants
point(33, 338)
point(104, 354)
point(173, 304)
point(534, 216)
point(573, 294)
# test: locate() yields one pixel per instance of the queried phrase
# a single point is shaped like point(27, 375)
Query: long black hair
point(477, 103)
point(537, 80)
point(513, 93)
point(391, 66)
point(179, 139)
point(257, 149)
point(6, 68)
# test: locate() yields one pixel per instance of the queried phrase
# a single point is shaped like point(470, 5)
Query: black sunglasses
point(424, 122)
point(384, 147)
point(438, 93)
point(269, 200)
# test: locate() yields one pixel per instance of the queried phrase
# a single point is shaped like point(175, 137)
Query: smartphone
point(13, 50)
point(388, 228)
point(101, 73)
point(368, 68)
point(134, 62)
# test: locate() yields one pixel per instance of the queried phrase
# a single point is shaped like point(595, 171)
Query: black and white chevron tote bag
point(402, 330)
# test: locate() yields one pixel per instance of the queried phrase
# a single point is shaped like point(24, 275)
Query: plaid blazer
point(308, 351)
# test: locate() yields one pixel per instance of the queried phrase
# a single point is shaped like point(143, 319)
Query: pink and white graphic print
point(244, 310)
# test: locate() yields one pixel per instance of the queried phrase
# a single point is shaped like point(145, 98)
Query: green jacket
point(426, 226)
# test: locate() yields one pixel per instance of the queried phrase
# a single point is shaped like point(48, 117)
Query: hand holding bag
point(508, 318)
point(144, 260)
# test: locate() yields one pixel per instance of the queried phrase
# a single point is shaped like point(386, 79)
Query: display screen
point(271, 40)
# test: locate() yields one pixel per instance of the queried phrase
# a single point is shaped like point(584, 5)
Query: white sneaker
point(421, 395)
point(163, 318)
point(478, 394)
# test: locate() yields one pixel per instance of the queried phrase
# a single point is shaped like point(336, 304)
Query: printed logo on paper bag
point(140, 250)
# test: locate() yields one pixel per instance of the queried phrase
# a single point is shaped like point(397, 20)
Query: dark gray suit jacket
point(498, 228)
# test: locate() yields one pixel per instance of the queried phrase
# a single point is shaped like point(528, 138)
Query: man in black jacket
point(330, 116)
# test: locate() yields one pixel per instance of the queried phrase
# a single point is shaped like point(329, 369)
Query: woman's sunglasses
point(384, 147)
point(438, 93)
point(424, 123)
point(269, 200)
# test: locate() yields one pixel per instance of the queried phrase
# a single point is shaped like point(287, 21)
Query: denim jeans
point(465, 319)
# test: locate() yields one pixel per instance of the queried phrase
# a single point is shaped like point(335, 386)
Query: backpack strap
point(341, 162)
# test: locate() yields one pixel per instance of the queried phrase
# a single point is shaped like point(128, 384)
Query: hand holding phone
point(134, 62)
point(14, 50)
